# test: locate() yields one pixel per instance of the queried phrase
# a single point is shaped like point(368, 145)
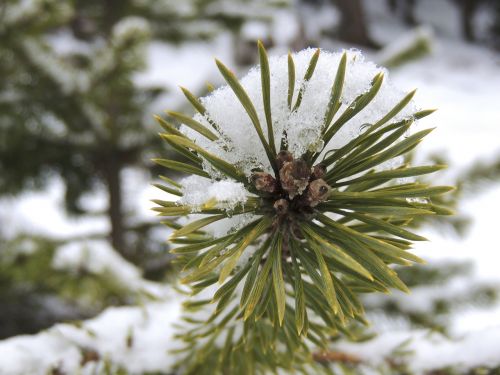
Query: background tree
point(83, 116)
point(82, 109)
point(72, 109)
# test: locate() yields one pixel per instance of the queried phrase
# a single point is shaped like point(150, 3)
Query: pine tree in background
point(70, 109)
point(495, 25)
point(82, 110)
point(83, 115)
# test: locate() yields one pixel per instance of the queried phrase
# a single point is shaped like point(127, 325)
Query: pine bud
point(281, 206)
point(317, 192)
point(319, 171)
point(283, 157)
point(294, 177)
point(264, 182)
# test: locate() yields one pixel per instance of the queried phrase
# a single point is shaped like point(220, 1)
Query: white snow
point(285, 27)
point(198, 191)
point(42, 213)
point(431, 351)
point(254, 30)
point(189, 65)
point(148, 330)
point(130, 27)
point(316, 18)
point(423, 298)
point(421, 37)
point(225, 194)
point(98, 257)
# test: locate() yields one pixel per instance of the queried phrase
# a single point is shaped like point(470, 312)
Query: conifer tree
point(284, 230)
point(79, 114)
point(70, 108)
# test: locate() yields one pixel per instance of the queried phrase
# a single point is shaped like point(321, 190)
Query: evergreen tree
point(70, 108)
point(80, 110)
point(77, 114)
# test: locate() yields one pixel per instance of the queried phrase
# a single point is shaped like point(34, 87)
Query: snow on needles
point(240, 145)
point(197, 191)
point(227, 193)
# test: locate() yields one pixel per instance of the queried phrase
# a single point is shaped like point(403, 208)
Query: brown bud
point(281, 206)
point(300, 170)
point(283, 157)
point(286, 177)
point(264, 182)
point(294, 177)
point(319, 171)
point(318, 192)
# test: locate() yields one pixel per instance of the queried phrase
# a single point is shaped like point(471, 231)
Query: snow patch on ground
point(431, 351)
point(135, 338)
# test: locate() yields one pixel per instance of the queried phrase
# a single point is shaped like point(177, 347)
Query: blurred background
point(81, 80)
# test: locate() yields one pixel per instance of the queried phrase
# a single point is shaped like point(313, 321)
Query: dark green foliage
point(72, 110)
point(77, 115)
point(479, 176)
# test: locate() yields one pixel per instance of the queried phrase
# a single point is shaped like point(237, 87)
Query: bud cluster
point(296, 187)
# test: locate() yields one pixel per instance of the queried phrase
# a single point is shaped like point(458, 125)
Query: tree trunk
point(409, 13)
point(393, 6)
point(407, 8)
point(468, 10)
point(112, 171)
point(114, 11)
point(353, 28)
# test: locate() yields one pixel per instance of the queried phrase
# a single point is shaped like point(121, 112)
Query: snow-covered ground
point(431, 351)
point(135, 338)
point(461, 80)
